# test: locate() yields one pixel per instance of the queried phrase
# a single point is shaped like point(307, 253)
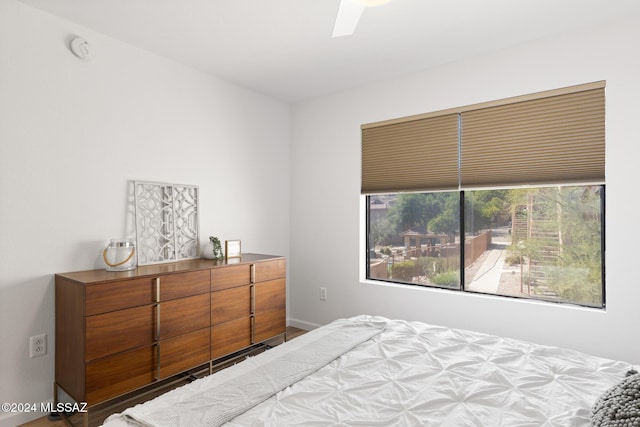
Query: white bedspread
point(414, 374)
point(218, 398)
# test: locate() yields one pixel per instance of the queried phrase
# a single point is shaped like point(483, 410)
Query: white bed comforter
point(414, 374)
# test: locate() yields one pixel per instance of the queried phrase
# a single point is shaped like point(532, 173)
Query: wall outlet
point(38, 345)
point(323, 294)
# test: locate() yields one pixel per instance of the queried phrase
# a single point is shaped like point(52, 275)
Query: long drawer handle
point(157, 281)
point(253, 299)
point(253, 330)
point(253, 274)
point(157, 322)
point(157, 345)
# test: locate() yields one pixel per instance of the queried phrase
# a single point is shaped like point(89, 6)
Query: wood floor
point(45, 422)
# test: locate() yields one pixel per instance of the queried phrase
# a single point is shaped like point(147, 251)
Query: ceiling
point(284, 48)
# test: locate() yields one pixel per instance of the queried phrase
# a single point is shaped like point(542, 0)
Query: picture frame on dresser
point(166, 222)
point(232, 249)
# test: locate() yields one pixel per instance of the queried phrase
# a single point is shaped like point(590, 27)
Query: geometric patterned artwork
point(166, 222)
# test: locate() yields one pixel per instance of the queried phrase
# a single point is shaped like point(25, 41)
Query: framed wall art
point(166, 222)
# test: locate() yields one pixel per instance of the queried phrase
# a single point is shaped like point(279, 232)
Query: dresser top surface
point(101, 275)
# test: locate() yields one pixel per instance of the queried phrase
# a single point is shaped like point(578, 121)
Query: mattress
point(373, 371)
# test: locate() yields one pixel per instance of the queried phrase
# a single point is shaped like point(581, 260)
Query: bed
point(373, 371)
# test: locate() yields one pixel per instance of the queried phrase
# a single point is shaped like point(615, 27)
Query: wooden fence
point(473, 248)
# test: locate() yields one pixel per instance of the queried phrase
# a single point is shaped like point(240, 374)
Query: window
point(502, 198)
point(542, 243)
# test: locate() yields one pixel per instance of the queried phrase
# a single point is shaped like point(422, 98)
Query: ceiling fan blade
point(347, 19)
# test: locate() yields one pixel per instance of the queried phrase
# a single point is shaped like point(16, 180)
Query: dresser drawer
point(106, 297)
point(184, 284)
point(229, 337)
point(230, 304)
point(231, 276)
point(270, 295)
point(110, 333)
point(269, 270)
point(184, 352)
point(268, 324)
point(184, 315)
point(114, 375)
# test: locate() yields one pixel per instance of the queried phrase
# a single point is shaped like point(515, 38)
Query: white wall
point(73, 134)
point(327, 213)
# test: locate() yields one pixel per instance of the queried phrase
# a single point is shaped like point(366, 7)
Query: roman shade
point(551, 137)
point(557, 139)
point(411, 155)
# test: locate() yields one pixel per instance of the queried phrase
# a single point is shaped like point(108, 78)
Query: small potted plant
point(213, 249)
point(217, 247)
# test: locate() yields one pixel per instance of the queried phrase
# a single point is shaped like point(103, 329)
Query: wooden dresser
point(120, 331)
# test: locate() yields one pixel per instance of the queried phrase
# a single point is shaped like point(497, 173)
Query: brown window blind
point(545, 138)
point(411, 156)
point(557, 139)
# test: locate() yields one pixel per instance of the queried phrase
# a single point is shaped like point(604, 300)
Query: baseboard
point(302, 324)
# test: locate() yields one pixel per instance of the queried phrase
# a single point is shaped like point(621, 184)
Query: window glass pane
point(543, 243)
point(415, 238)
